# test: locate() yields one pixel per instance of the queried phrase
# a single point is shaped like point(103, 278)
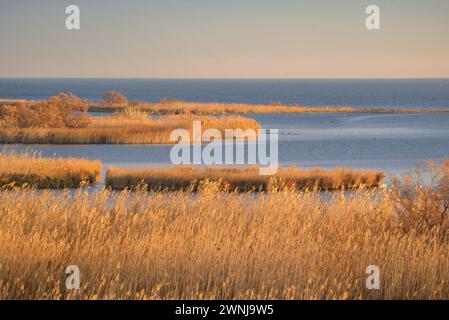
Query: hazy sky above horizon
point(225, 39)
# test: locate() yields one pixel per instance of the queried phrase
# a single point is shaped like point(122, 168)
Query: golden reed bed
point(119, 129)
point(166, 107)
point(26, 169)
point(230, 179)
point(169, 106)
point(215, 246)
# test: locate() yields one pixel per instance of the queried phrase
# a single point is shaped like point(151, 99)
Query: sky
point(225, 39)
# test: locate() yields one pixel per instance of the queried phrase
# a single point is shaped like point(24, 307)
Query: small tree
point(115, 98)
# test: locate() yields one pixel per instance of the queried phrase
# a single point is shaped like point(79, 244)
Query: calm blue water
point(390, 142)
point(431, 93)
point(393, 143)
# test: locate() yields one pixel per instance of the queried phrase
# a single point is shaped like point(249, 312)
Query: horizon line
point(230, 78)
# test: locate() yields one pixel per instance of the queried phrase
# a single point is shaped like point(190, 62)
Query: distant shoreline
point(216, 108)
point(13, 101)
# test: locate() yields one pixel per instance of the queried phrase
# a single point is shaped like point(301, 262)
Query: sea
point(391, 142)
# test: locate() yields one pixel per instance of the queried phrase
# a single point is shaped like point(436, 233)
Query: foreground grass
point(169, 107)
point(121, 130)
point(230, 179)
point(31, 170)
point(214, 246)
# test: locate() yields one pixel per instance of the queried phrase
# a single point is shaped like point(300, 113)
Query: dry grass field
point(27, 169)
point(246, 179)
point(229, 245)
point(122, 128)
point(279, 245)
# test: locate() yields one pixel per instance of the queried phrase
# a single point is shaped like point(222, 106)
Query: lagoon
point(393, 143)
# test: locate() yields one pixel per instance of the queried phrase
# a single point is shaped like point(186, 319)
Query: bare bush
point(115, 98)
point(421, 198)
point(62, 111)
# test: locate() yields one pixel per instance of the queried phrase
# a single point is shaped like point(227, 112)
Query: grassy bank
point(211, 108)
point(168, 107)
point(215, 246)
point(230, 179)
point(30, 170)
point(177, 107)
point(120, 129)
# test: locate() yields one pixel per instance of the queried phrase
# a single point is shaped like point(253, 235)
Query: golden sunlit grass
point(241, 179)
point(30, 170)
point(168, 106)
point(181, 107)
point(14, 101)
point(279, 245)
point(121, 129)
point(176, 107)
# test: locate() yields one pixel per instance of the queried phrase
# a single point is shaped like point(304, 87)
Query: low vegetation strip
point(118, 129)
point(240, 179)
point(19, 170)
point(116, 102)
point(63, 119)
point(167, 107)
